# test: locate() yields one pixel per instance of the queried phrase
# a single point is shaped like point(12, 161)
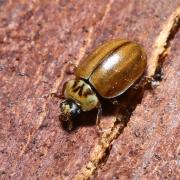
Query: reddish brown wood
point(38, 39)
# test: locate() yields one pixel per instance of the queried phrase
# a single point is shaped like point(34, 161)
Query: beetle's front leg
point(98, 118)
point(70, 125)
point(60, 96)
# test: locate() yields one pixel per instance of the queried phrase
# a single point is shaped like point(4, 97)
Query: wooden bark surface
point(38, 39)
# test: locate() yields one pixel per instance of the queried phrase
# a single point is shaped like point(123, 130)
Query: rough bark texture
point(38, 39)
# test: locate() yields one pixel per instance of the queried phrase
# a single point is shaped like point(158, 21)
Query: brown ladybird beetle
point(107, 72)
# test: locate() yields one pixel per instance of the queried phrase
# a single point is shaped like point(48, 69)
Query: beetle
point(108, 71)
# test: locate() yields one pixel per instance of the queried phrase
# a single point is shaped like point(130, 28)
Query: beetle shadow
point(89, 118)
point(129, 100)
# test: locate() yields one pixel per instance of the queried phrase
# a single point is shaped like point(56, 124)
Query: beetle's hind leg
point(114, 101)
point(98, 118)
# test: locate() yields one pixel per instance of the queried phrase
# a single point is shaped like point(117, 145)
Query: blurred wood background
point(38, 39)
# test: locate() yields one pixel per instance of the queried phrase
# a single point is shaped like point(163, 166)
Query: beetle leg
point(60, 96)
point(70, 125)
point(98, 118)
point(114, 101)
point(140, 83)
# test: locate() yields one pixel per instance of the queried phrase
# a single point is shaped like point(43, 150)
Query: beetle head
point(69, 110)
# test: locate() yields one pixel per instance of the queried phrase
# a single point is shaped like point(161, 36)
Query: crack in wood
point(88, 41)
point(100, 154)
point(162, 42)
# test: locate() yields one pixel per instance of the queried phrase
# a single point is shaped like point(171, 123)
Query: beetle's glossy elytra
point(113, 67)
point(108, 71)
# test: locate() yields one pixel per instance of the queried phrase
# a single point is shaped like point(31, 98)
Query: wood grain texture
point(39, 40)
